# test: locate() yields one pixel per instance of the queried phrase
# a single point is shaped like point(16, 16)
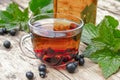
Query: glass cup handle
point(26, 49)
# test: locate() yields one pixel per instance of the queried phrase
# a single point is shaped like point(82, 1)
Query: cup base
point(57, 65)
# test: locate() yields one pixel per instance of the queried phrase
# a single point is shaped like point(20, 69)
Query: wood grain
point(13, 65)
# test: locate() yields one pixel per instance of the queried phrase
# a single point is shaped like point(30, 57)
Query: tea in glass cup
point(55, 41)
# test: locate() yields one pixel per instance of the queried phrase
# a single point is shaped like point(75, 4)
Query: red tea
point(55, 43)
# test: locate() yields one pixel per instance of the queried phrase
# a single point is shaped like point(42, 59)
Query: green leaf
point(109, 21)
point(5, 16)
point(116, 33)
point(93, 47)
point(37, 5)
point(13, 17)
point(89, 31)
point(89, 50)
point(105, 35)
point(100, 55)
point(116, 45)
point(103, 46)
point(108, 61)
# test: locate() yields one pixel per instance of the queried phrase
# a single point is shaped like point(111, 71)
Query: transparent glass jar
point(86, 9)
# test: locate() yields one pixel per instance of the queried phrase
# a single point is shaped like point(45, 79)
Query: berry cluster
point(42, 72)
point(5, 31)
point(71, 67)
point(12, 32)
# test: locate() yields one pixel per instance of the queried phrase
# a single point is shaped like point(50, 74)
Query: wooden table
point(13, 65)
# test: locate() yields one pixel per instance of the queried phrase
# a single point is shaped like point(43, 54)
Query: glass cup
point(54, 40)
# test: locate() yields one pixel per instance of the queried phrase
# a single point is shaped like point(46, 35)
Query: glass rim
point(79, 25)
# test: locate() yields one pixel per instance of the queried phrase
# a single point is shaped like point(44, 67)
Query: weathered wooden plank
point(22, 3)
point(13, 65)
point(108, 7)
point(89, 71)
point(4, 3)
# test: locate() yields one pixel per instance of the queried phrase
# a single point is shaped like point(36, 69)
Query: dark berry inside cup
point(73, 26)
point(65, 59)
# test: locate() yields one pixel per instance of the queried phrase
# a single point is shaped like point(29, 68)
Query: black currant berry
point(7, 44)
point(42, 74)
point(29, 75)
point(81, 56)
point(70, 67)
point(77, 57)
point(12, 32)
point(4, 30)
point(65, 59)
point(48, 60)
point(42, 67)
point(1, 32)
point(50, 51)
point(75, 63)
point(81, 61)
